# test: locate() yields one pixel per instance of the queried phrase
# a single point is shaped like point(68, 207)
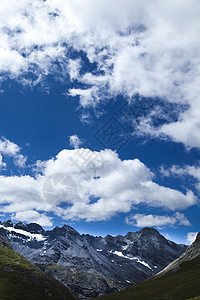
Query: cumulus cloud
point(160, 221)
point(33, 217)
point(145, 47)
point(191, 236)
point(90, 185)
point(20, 193)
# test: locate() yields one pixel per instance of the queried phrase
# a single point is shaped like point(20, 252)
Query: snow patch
point(125, 247)
point(143, 263)
point(31, 236)
point(118, 253)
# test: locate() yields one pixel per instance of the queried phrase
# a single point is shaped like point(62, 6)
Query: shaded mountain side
point(20, 279)
point(179, 281)
point(86, 285)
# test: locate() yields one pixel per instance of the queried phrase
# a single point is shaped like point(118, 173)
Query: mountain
point(20, 279)
point(92, 266)
point(180, 280)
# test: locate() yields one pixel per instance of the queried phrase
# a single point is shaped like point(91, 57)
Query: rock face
point(89, 265)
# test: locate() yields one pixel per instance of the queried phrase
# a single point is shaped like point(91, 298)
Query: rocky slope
point(20, 279)
point(192, 252)
point(89, 265)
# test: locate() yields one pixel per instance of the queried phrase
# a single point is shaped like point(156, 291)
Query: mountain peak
point(70, 229)
point(65, 229)
point(148, 230)
point(20, 225)
point(31, 227)
point(8, 223)
point(35, 228)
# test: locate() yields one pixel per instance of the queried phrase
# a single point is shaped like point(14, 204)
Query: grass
point(180, 285)
point(20, 279)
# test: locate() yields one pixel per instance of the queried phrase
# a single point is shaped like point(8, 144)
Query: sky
point(100, 115)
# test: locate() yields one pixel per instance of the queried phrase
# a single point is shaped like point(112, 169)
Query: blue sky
point(100, 115)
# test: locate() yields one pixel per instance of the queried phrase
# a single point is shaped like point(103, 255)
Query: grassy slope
point(20, 279)
point(180, 285)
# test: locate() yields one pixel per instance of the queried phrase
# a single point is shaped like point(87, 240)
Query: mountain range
point(92, 266)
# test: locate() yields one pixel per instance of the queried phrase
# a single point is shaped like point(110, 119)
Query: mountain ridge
point(111, 263)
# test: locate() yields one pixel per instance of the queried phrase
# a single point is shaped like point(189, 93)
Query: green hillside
point(21, 280)
point(180, 284)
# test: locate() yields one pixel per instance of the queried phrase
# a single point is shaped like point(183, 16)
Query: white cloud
point(191, 236)
point(192, 171)
point(20, 193)
point(165, 172)
point(74, 141)
point(88, 97)
point(74, 68)
point(8, 148)
point(104, 185)
point(141, 220)
point(2, 164)
point(145, 47)
point(20, 161)
point(186, 130)
point(33, 217)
